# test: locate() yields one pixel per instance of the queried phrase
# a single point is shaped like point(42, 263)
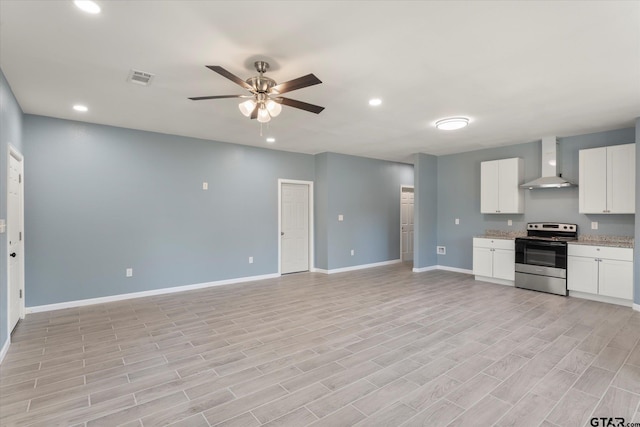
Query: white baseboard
point(494, 280)
point(319, 270)
point(423, 269)
point(601, 298)
point(636, 307)
point(5, 349)
point(442, 267)
point(358, 267)
point(112, 298)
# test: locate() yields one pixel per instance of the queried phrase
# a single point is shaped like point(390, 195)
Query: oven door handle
point(543, 243)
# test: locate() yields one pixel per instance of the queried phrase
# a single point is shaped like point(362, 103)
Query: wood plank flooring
point(377, 347)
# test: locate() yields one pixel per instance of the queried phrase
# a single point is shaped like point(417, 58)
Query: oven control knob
point(565, 227)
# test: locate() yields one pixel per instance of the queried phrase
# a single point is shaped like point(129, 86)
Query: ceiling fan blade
point(295, 84)
point(301, 105)
point(254, 113)
point(200, 98)
point(224, 73)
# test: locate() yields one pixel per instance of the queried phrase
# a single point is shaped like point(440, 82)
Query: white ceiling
point(519, 69)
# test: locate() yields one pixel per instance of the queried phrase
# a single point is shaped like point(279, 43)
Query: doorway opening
point(15, 238)
point(406, 224)
point(295, 226)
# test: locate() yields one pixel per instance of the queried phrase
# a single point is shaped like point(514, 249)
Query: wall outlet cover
point(353, 252)
point(594, 225)
point(457, 221)
point(340, 217)
point(205, 185)
point(129, 272)
point(509, 222)
point(441, 250)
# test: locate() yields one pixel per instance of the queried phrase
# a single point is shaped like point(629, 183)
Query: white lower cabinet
point(600, 270)
point(494, 258)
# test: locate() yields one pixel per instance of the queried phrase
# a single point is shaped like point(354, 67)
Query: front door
point(406, 226)
point(14, 229)
point(294, 228)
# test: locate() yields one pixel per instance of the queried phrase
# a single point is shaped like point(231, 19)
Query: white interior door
point(294, 228)
point(15, 239)
point(406, 226)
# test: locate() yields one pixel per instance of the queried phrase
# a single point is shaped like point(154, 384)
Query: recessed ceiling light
point(452, 123)
point(271, 140)
point(375, 102)
point(81, 108)
point(87, 6)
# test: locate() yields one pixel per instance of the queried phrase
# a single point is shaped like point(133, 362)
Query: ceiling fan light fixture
point(263, 115)
point(374, 102)
point(452, 123)
point(274, 108)
point(247, 107)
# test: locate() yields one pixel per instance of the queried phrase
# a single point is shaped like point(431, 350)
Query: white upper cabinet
point(608, 179)
point(499, 186)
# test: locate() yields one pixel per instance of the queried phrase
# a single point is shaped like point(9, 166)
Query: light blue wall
point(426, 210)
point(367, 193)
point(636, 252)
point(100, 199)
point(321, 209)
point(459, 195)
point(10, 133)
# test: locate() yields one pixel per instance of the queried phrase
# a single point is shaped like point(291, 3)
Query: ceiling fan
point(265, 101)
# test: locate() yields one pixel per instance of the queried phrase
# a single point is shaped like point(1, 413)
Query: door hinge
point(20, 178)
point(20, 293)
point(20, 235)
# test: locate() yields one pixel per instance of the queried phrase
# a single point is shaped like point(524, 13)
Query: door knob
point(12, 255)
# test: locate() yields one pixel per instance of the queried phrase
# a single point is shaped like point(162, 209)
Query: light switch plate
point(509, 222)
point(250, 260)
point(205, 185)
point(129, 272)
point(457, 221)
point(340, 217)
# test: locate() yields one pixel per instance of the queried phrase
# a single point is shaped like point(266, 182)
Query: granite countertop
point(502, 234)
point(610, 241)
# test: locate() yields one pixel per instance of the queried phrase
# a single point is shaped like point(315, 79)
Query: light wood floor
point(377, 347)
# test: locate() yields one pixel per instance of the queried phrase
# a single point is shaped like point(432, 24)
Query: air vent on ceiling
point(140, 77)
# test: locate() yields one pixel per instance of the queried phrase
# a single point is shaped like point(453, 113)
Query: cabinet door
point(510, 195)
point(621, 178)
point(582, 274)
point(592, 185)
point(489, 183)
point(504, 264)
point(483, 262)
point(616, 278)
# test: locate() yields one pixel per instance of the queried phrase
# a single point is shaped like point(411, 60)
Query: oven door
point(541, 253)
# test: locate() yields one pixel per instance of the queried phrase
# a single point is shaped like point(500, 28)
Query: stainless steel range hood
point(550, 177)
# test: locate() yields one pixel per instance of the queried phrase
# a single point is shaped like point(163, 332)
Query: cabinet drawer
point(622, 254)
point(507, 244)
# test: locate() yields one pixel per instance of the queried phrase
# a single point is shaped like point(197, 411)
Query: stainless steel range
point(541, 257)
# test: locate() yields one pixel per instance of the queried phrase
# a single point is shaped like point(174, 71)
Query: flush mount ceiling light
point(374, 102)
point(87, 6)
point(80, 108)
point(271, 140)
point(452, 123)
point(265, 101)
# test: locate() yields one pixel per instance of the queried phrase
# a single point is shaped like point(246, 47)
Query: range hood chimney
point(550, 162)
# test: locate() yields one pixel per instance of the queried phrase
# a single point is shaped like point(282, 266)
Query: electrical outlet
point(250, 260)
point(353, 252)
point(441, 250)
point(205, 185)
point(509, 222)
point(457, 221)
point(129, 272)
point(594, 225)
point(340, 217)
